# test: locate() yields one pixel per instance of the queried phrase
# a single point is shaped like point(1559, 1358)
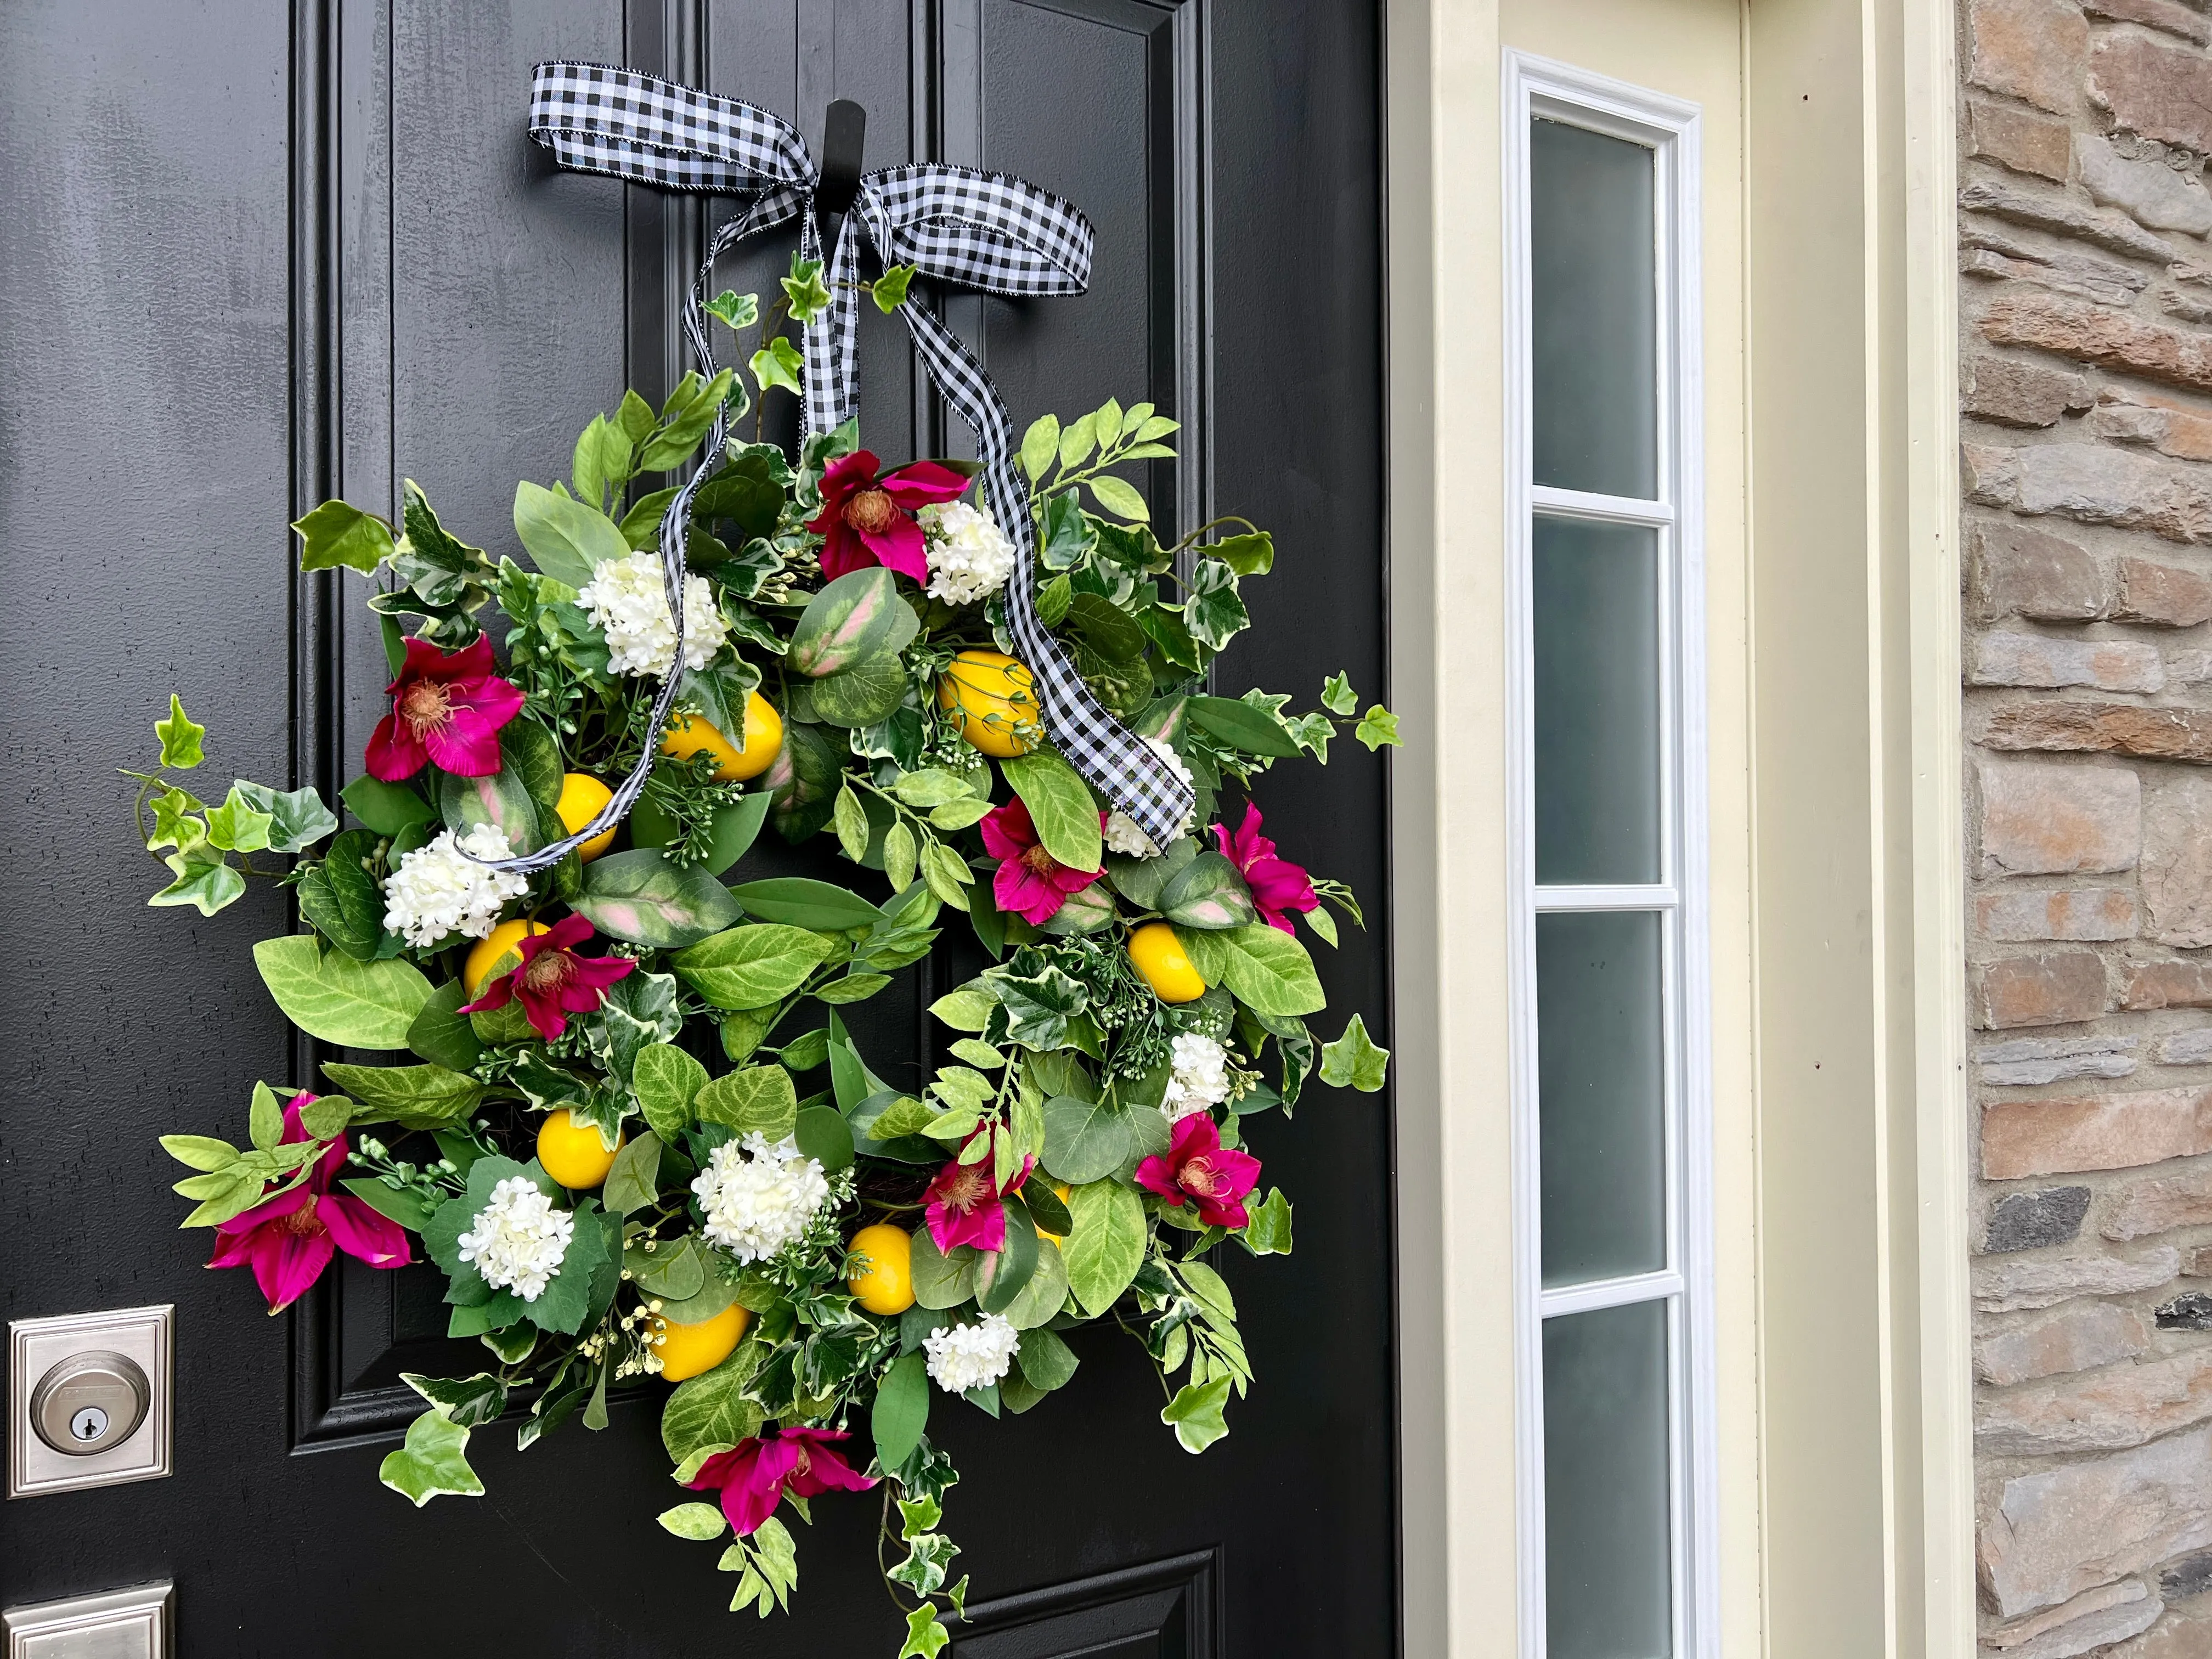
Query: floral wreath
point(665, 1157)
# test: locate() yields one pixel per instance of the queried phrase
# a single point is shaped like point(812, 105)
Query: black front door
point(252, 254)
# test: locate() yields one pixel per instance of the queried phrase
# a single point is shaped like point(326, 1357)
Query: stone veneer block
point(2077, 1337)
point(2036, 659)
point(2182, 1634)
point(2061, 988)
point(2161, 1206)
point(2021, 570)
point(2112, 728)
point(2105, 1132)
point(2057, 1532)
point(2016, 139)
point(2191, 1048)
point(2169, 985)
point(2090, 333)
point(2148, 192)
point(2160, 91)
point(2015, 394)
point(2038, 819)
point(2030, 1221)
point(2094, 483)
point(2105, 1411)
point(2065, 912)
point(2014, 1283)
point(2161, 595)
point(2030, 48)
point(2107, 1614)
point(2176, 864)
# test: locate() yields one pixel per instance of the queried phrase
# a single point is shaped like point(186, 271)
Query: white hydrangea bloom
point(519, 1239)
point(969, 556)
point(964, 1356)
point(1201, 1078)
point(627, 600)
point(759, 1197)
point(1121, 833)
point(436, 890)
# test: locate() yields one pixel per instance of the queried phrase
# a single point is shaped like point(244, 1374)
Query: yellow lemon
point(990, 701)
point(572, 1152)
point(885, 1285)
point(687, 1350)
point(1156, 955)
point(485, 957)
point(582, 797)
point(689, 735)
point(1060, 1188)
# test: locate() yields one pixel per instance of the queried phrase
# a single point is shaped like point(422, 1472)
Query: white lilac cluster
point(969, 556)
point(441, 889)
point(758, 1196)
point(1123, 835)
point(627, 600)
point(1199, 1078)
point(519, 1239)
point(964, 1356)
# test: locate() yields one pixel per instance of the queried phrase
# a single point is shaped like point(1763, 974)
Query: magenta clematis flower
point(1031, 883)
point(963, 1206)
point(552, 980)
point(1199, 1168)
point(754, 1474)
point(446, 708)
point(865, 520)
point(1277, 884)
point(288, 1240)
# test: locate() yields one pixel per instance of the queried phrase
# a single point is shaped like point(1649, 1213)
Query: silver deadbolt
point(89, 1402)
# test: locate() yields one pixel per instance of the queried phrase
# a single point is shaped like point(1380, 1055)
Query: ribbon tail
point(832, 339)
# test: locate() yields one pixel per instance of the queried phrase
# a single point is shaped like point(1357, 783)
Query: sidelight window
point(1610, 1084)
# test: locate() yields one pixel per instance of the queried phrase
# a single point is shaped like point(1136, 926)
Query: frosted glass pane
point(1609, 1588)
point(1594, 313)
point(1601, 1103)
point(1596, 601)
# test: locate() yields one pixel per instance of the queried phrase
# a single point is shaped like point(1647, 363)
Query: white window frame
point(1536, 87)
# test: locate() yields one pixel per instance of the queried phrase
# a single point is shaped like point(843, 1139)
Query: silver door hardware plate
point(126, 1624)
point(89, 1400)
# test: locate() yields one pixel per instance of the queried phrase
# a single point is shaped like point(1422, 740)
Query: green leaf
point(736, 310)
point(1105, 628)
point(433, 1460)
point(1047, 1361)
point(940, 1281)
point(1045, 1294)
point(235, 827)
point(1376, 727)
point(751, 966)
point(711, 1408)
point(1242, 726)
point(1107, 1245)
point(639, 895)
point(1068, 535)
point(1195, 1413)
point(180, 737)
point(1040, 445)
point(858, 616)
point(200, 1152)
point(567, 539)
point(1208, 892)
point(635, 1181)
point(1353, 1060)
point(925, 1637)
point(805, 291)
point(967, 1009)
point(357, 1004)
point(264, 1119)
point(470, 1401)
point(888, 290)
point(1060, 804)
point(902, 1410)
point(203, 880)
point(335, 534)
point(1269, 971)
point(1087, 1141)
point(441, 1034)
point(901, 857)
point(759, 1098)
point(1322, 923)
point(796, 902)
point(297, 817)
point(685, 417)
point(868, 692)
point(851, 822)
point(1338, 697)
point(824, 1135)
point(343, 900)
point(1141, 881)
point(1249, 555)
point(904, 1115)
point(1119, 497)
point(777, 363)
point(1268, 1226)
point(947, 874)
point(667, 1080)
point(1215, 612)
point(853, 987)
point(386, 808)
point(1053, 600)
point(1002, 1274)
point(413, 1096)
point(1079, 438)
point(401, 1204)
point(699, 1522)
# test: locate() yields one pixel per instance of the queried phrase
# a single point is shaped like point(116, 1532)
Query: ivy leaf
point(336, 534)
point(1354, 1061)
point(435, 1460)
point(1040, 445)
point(1195, 1413)
point(777, 364)
point(1268, 1226)
point(470, 1401)
point(804, 289)
point(180, 737)
point(736, 310)
point(1215, 612)
point(925, 1637)
point(1338, 697)
point(1377, 727)
point(888, 290)
point(1248, 556)
point(173, 822)
point(297, 817)
point(203, 880)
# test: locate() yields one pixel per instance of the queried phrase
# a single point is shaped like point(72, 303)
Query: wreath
point(664, 1156)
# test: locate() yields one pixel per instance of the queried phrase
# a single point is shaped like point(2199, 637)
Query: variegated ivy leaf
point(435, 1460)
point(202, 880)
point(236, 827)
point(1195, 1413)
point(1354, 1061)
point(804, 289)
point(888, 290)
point(1376, 727)
point(1338, 697)
point(180, 737)
point(777, 363)
point(737, 310)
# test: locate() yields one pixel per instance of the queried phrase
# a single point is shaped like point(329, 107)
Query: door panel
point(346, 267)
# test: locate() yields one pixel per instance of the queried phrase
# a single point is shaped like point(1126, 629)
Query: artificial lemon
point(572, 1153)
point(687, 1350)
point(582, 797)
point(1060, 1188)
point(990, 701)
point(483, 962)
point(885, 1285)
point(689, 735)
point(1156, 955)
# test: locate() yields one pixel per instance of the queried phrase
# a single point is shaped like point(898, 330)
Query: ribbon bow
point(979, 230)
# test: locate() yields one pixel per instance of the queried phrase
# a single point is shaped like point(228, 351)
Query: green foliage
point(711, 1411)
point(758, 1098)
point(777, 364)
point(435, 1460)
point(803, 291)
point(335, 534)
point(1195, 1413)
point(752, 966)
point(1107, 1245)
point(901, 1414)
point(356, 1005)
point(1353, 1060)
point(413, 1096)
point(180, 737)
point(667, 1080)
point(1376, 727)
point(639, 895)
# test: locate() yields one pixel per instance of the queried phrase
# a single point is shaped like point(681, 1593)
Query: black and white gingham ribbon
point(979, 230)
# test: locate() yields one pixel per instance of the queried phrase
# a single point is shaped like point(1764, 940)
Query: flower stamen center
point(870, 512)
point(1200, 1178)
point(544, 973)
point(303, 1220)
point(1037, 858)
point(426, 707)
point(963, 1191)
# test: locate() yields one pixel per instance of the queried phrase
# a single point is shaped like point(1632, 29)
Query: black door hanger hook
point(844, 132)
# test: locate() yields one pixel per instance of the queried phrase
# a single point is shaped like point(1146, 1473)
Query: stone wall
point(2087, 389)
